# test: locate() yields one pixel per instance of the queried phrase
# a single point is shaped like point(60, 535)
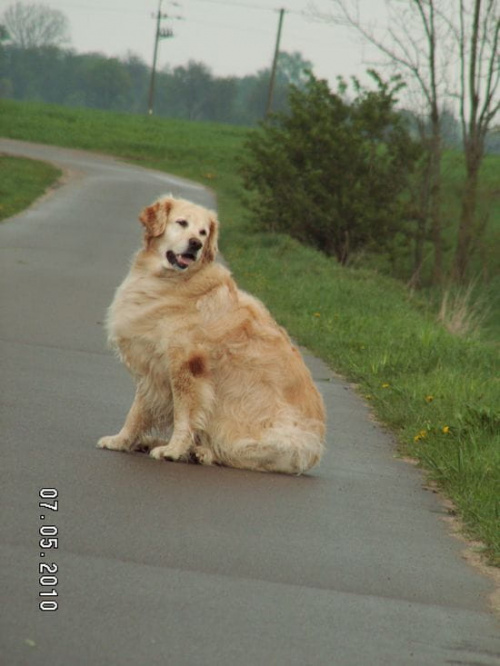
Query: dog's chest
point(140, 325)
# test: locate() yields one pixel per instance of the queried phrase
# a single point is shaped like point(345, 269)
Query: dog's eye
point(182, 223)
point(203, 232)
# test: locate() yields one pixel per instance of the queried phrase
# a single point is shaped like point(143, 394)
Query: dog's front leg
point(192, 397)
point(137, 423)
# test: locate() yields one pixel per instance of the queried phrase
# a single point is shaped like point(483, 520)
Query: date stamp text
point(48, 542)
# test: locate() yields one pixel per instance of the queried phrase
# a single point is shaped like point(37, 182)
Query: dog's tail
point(289, 449)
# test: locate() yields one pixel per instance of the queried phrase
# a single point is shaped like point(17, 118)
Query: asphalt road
point(164, 563)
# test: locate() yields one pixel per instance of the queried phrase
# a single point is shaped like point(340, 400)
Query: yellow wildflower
point(317, 314)
point(446, 429)
point(429, 398)
point(386, 385)
point(421, 435)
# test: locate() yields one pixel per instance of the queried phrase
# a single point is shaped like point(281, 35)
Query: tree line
point(37, 64)
point(56, 75)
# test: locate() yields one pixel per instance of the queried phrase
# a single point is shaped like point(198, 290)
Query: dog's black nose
point(194, 245)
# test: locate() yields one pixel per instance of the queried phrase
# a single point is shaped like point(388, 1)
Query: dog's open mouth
point(181, 261)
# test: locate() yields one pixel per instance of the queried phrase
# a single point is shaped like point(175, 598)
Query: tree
point(32, 26)
point(411, 45)
point(107, 83)
point(5, 82)
point(478, 45)
point(139, 76)
point(427, 39)
point(222, 95)
point(187, 92)
point(332, 174)
point(293, 70)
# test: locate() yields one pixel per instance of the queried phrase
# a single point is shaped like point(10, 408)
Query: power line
point(243, 5)
point(233, 27)
point(99, 8)
point(246, 5)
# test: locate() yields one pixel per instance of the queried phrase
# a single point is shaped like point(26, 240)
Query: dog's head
point(181, 234)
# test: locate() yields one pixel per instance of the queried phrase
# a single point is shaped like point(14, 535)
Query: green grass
point(439, 393)
point(486, 262)
point(484, 267)
point(34, 176)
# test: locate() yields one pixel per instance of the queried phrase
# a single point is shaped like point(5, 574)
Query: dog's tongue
point(184, 259)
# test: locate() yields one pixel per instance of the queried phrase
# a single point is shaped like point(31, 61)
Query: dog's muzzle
point(185, 259)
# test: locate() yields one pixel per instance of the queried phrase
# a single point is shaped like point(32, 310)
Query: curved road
point(162, 563)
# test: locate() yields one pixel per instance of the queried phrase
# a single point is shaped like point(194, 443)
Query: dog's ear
point(154, 217)
point(211, 247)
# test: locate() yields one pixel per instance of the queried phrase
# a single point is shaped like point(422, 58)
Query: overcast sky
point(230, 36)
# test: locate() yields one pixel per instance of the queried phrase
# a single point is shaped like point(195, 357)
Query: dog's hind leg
point(193, 398)
point(288, 450)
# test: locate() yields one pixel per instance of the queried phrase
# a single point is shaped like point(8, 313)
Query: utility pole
point(275, 64)
point(159, 34)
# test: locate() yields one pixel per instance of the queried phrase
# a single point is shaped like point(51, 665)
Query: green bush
point(332, 173)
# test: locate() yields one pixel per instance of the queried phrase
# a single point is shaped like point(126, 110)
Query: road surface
point(164, 563)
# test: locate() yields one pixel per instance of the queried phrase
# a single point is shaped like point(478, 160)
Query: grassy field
point(439, 393)
point(35, 176)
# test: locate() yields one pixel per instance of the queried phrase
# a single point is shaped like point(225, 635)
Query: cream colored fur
point(211, 366)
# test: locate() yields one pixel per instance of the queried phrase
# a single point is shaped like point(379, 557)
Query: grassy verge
point(21, 182)
point(439, 393)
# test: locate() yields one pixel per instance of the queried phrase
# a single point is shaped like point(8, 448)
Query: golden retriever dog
point(212, 368)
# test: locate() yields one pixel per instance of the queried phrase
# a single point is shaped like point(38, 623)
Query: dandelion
point(421, 435)
point(445, 430)
point(317, 314)
point(429, 398)
point(385, 385)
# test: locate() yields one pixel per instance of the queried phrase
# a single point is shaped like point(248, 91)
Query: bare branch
point(413, 67)
point(403, 58)
point(493, 76)
point(461, 47)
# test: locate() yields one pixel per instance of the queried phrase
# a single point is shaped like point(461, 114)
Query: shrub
point(332, 173)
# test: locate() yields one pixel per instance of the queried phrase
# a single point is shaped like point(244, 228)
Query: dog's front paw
point(114, 443)
point(169, 452)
